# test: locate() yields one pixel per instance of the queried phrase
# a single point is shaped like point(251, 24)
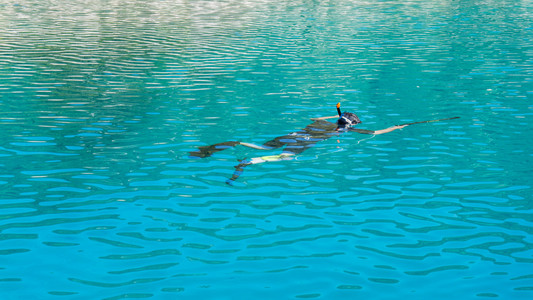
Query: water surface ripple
point(101, 101)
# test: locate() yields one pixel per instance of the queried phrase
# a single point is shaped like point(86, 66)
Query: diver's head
point(346, 119)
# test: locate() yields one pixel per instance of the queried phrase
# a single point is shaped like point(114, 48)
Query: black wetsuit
point(299, 141)
point(296, 142)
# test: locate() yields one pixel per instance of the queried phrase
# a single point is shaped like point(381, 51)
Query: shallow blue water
point(101, 101)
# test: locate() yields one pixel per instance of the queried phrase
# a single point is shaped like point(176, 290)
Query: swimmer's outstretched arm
point(392, 128)
point(382, 131)
point(325, 118)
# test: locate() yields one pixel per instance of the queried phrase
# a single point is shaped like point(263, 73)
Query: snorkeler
point(299, 141)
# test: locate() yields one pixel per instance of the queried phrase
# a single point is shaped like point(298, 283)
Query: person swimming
point(299, 141)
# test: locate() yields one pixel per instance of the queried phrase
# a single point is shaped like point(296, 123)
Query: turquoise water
point(101, 101)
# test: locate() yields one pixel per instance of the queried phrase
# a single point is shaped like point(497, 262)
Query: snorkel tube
point(340, 115)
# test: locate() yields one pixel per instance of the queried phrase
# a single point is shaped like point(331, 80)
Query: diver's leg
point(256, 160)
point(238, 171)
point(207, 151)
point(254, 146)
point(279, 142)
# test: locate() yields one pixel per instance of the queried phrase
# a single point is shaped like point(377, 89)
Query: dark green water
point(101, 101)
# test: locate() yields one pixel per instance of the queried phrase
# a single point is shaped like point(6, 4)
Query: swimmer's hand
point(392, 128)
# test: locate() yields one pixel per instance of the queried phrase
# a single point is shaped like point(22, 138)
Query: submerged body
point(296, 142)
point(299, 141)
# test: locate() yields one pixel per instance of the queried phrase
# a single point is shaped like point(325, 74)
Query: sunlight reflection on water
point(102, 102)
